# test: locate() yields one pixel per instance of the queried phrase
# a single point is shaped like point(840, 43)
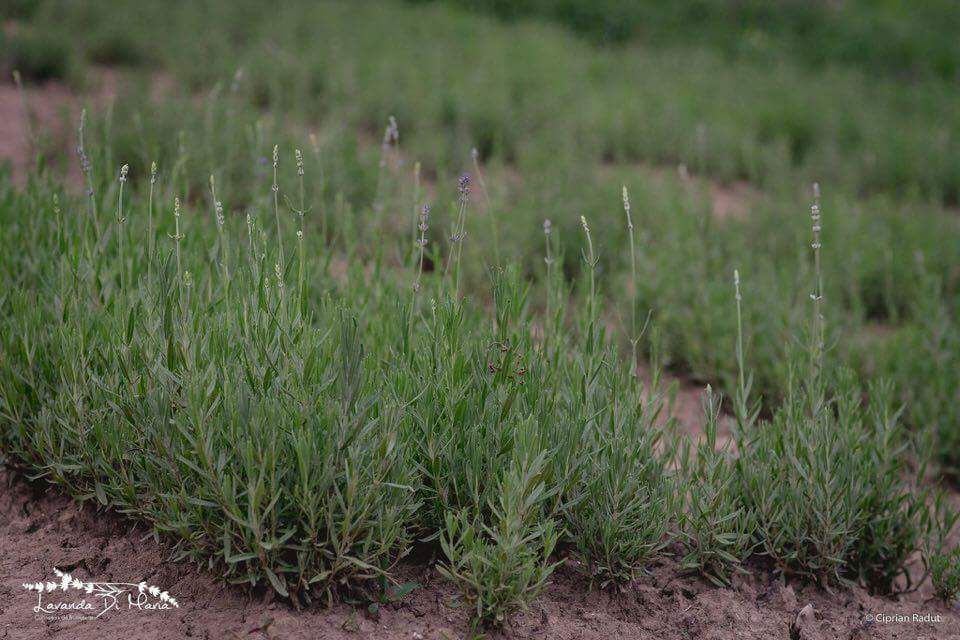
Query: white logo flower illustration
point(101, 589)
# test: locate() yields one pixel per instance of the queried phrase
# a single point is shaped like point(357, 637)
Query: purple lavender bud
point(424, 218)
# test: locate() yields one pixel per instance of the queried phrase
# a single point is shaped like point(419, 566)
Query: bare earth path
point(41, 529)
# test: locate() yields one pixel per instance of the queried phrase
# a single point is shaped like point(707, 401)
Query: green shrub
point(115, 45)
point(502, 566)
point(945, 575)
point(716, 526)
point(38, 54)
point(828, 477)
point(842, 509)
point(623, 506)
point(924, 361)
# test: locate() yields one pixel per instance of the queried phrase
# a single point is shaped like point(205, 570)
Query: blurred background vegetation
point(876, 36)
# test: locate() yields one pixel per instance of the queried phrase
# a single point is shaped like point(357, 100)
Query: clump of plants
point(945, 574)
point(502, 565)
point(38, 55)
point(202, 368)
point(834, 484)
point(924, 361)
point(621, 508)
point(717, 526)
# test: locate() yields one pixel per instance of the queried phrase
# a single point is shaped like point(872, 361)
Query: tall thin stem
point(459, 232)
point(817, 296)
point(301, 212)
point(276, 200)
point(120, 222)
point(87, 169)
point(421, 244)
point(177, 236)
point(740, 365)
point(150, 239)
point(547, 230)
point(250, 233)
point(745, 414)
point(634, 338)
point(301, 270)
point(298, 155)
point(391, 138)
point(591, 261)
point(220, 220)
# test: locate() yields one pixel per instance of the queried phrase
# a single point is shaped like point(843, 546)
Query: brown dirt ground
point(19, 133)
point(43, 118)
point(41, 529)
